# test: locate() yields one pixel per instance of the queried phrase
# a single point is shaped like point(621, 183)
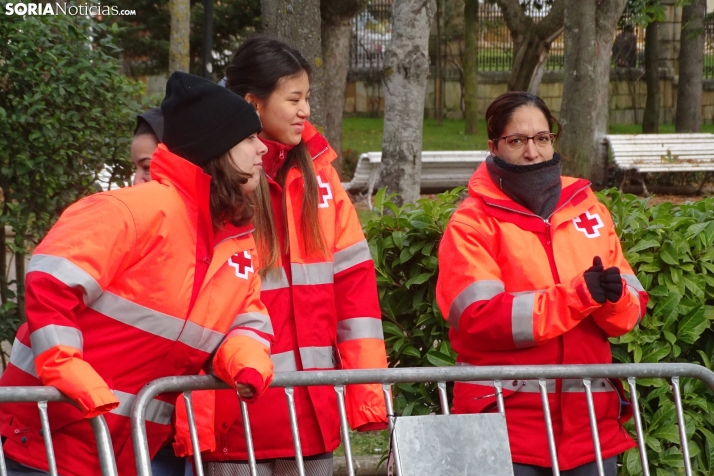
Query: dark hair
point(500, 112)
point(229, 203)
point(144, 127)
point(257, 68)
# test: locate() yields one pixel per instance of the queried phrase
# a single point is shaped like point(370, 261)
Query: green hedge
point(671, 249)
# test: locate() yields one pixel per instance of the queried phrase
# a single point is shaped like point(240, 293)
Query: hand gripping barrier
point(339, 378)
point(43, 395)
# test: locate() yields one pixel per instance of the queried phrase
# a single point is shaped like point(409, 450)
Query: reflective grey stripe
point(478, 291)
point(248, 333)
point(632, 280)
point(284, 361)
point(156, 411)
point(359, 328)
point(52, 335)
point(315, 273)
point(317, 357)
point(636, 295)
point(352, 255)
point(68, 273)
point(597, 385)
point(522, 320)
point(22, 357)
point(254, 320)
point(276, 279)
point(157, 323)
point(523, 386)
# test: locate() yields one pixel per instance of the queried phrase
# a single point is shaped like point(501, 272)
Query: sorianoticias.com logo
point(65, 9)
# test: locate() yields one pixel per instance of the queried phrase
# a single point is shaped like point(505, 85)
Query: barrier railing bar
point(198, 464)
point(497, 384)
point(638, 426)
point(682, 428)
point(3, 468)
point(549, 426)
point(442, 398)
point(47, 436)
point(414, 375)
point(290, 394)
point(107, 463)
point(587, 383)
point(248, 437)
point(344, 428)
point(392, 421)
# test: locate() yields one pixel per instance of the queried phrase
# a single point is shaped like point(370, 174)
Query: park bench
point(648, 153)
point(440, 170)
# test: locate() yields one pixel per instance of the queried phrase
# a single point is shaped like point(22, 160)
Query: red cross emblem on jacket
point(325, 193)
point(589, 224)
point(243, 264)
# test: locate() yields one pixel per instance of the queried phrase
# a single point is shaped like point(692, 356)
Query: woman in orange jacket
point(319, 280)
point(145, 282)
point(532, 272)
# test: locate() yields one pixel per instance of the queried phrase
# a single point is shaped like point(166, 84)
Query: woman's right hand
point(245, 391)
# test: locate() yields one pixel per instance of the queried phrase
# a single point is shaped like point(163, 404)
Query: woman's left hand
point(245, 391)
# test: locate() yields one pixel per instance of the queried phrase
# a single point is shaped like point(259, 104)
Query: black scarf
point(535, 186)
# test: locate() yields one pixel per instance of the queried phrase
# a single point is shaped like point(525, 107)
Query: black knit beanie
point(154, 119)
point(203, 121)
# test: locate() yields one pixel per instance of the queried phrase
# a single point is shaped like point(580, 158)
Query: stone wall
point(365, 94)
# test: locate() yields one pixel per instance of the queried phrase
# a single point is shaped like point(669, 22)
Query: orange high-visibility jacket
point(112, 304)
point(325, 314)
point(511, 286)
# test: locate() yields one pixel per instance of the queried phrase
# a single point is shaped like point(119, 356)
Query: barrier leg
point(442, 398)
point(47, 436)
point(392, 419)
point(593, 425)
point(638, 426)
point(682, 429)
point(344, 427)
point(248, 437)
point(497, 384)
point(549, 426)
point(3, 468)
point(107, 463)
point(198, 464)
point(290, 394)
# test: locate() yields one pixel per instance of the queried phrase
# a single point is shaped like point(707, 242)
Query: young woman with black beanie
point(532, 273)
point(146, 282)
point(319, 281)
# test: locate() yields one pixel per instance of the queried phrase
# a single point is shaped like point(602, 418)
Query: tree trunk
point(336, 37)
point(3, 266)
point(531, 42)
point(298, 23)
point(179, 57)
point(405, 74)
point(650, 120)
point(20, 284)
point(470, 62)
point(691, 56)
point(589, 29)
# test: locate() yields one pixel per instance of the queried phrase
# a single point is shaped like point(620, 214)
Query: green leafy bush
point(66, 112)
point(671, 249)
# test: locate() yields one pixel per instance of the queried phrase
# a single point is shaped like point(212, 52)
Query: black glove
point(593, 281)
point(611, 283)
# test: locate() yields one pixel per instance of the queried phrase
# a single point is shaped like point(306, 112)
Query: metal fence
point(371, 33)
point(338, 379)
point(43, 395)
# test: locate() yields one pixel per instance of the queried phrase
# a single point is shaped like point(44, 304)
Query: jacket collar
point(275, 157)
point(575, 195)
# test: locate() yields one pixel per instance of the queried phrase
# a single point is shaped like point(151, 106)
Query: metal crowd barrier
point(43, 395)
point(339, 378)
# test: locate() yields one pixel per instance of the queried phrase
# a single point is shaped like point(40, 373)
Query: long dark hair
point(500, 112)
point(257, 67)
point(228, 202)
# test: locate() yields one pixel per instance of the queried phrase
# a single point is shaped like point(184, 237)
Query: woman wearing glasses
point(532, 273)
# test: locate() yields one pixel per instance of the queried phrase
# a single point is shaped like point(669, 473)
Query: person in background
point(532, 273)
point(145, 282)
point(319, 280)
point(147, 136)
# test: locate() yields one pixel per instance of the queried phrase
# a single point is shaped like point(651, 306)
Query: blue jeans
point(166, 463)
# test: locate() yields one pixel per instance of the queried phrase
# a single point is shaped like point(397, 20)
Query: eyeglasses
point(519, 141)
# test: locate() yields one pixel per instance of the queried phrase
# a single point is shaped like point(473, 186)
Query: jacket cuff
point(98, 402)
point(250, 376)
point(582, 298)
